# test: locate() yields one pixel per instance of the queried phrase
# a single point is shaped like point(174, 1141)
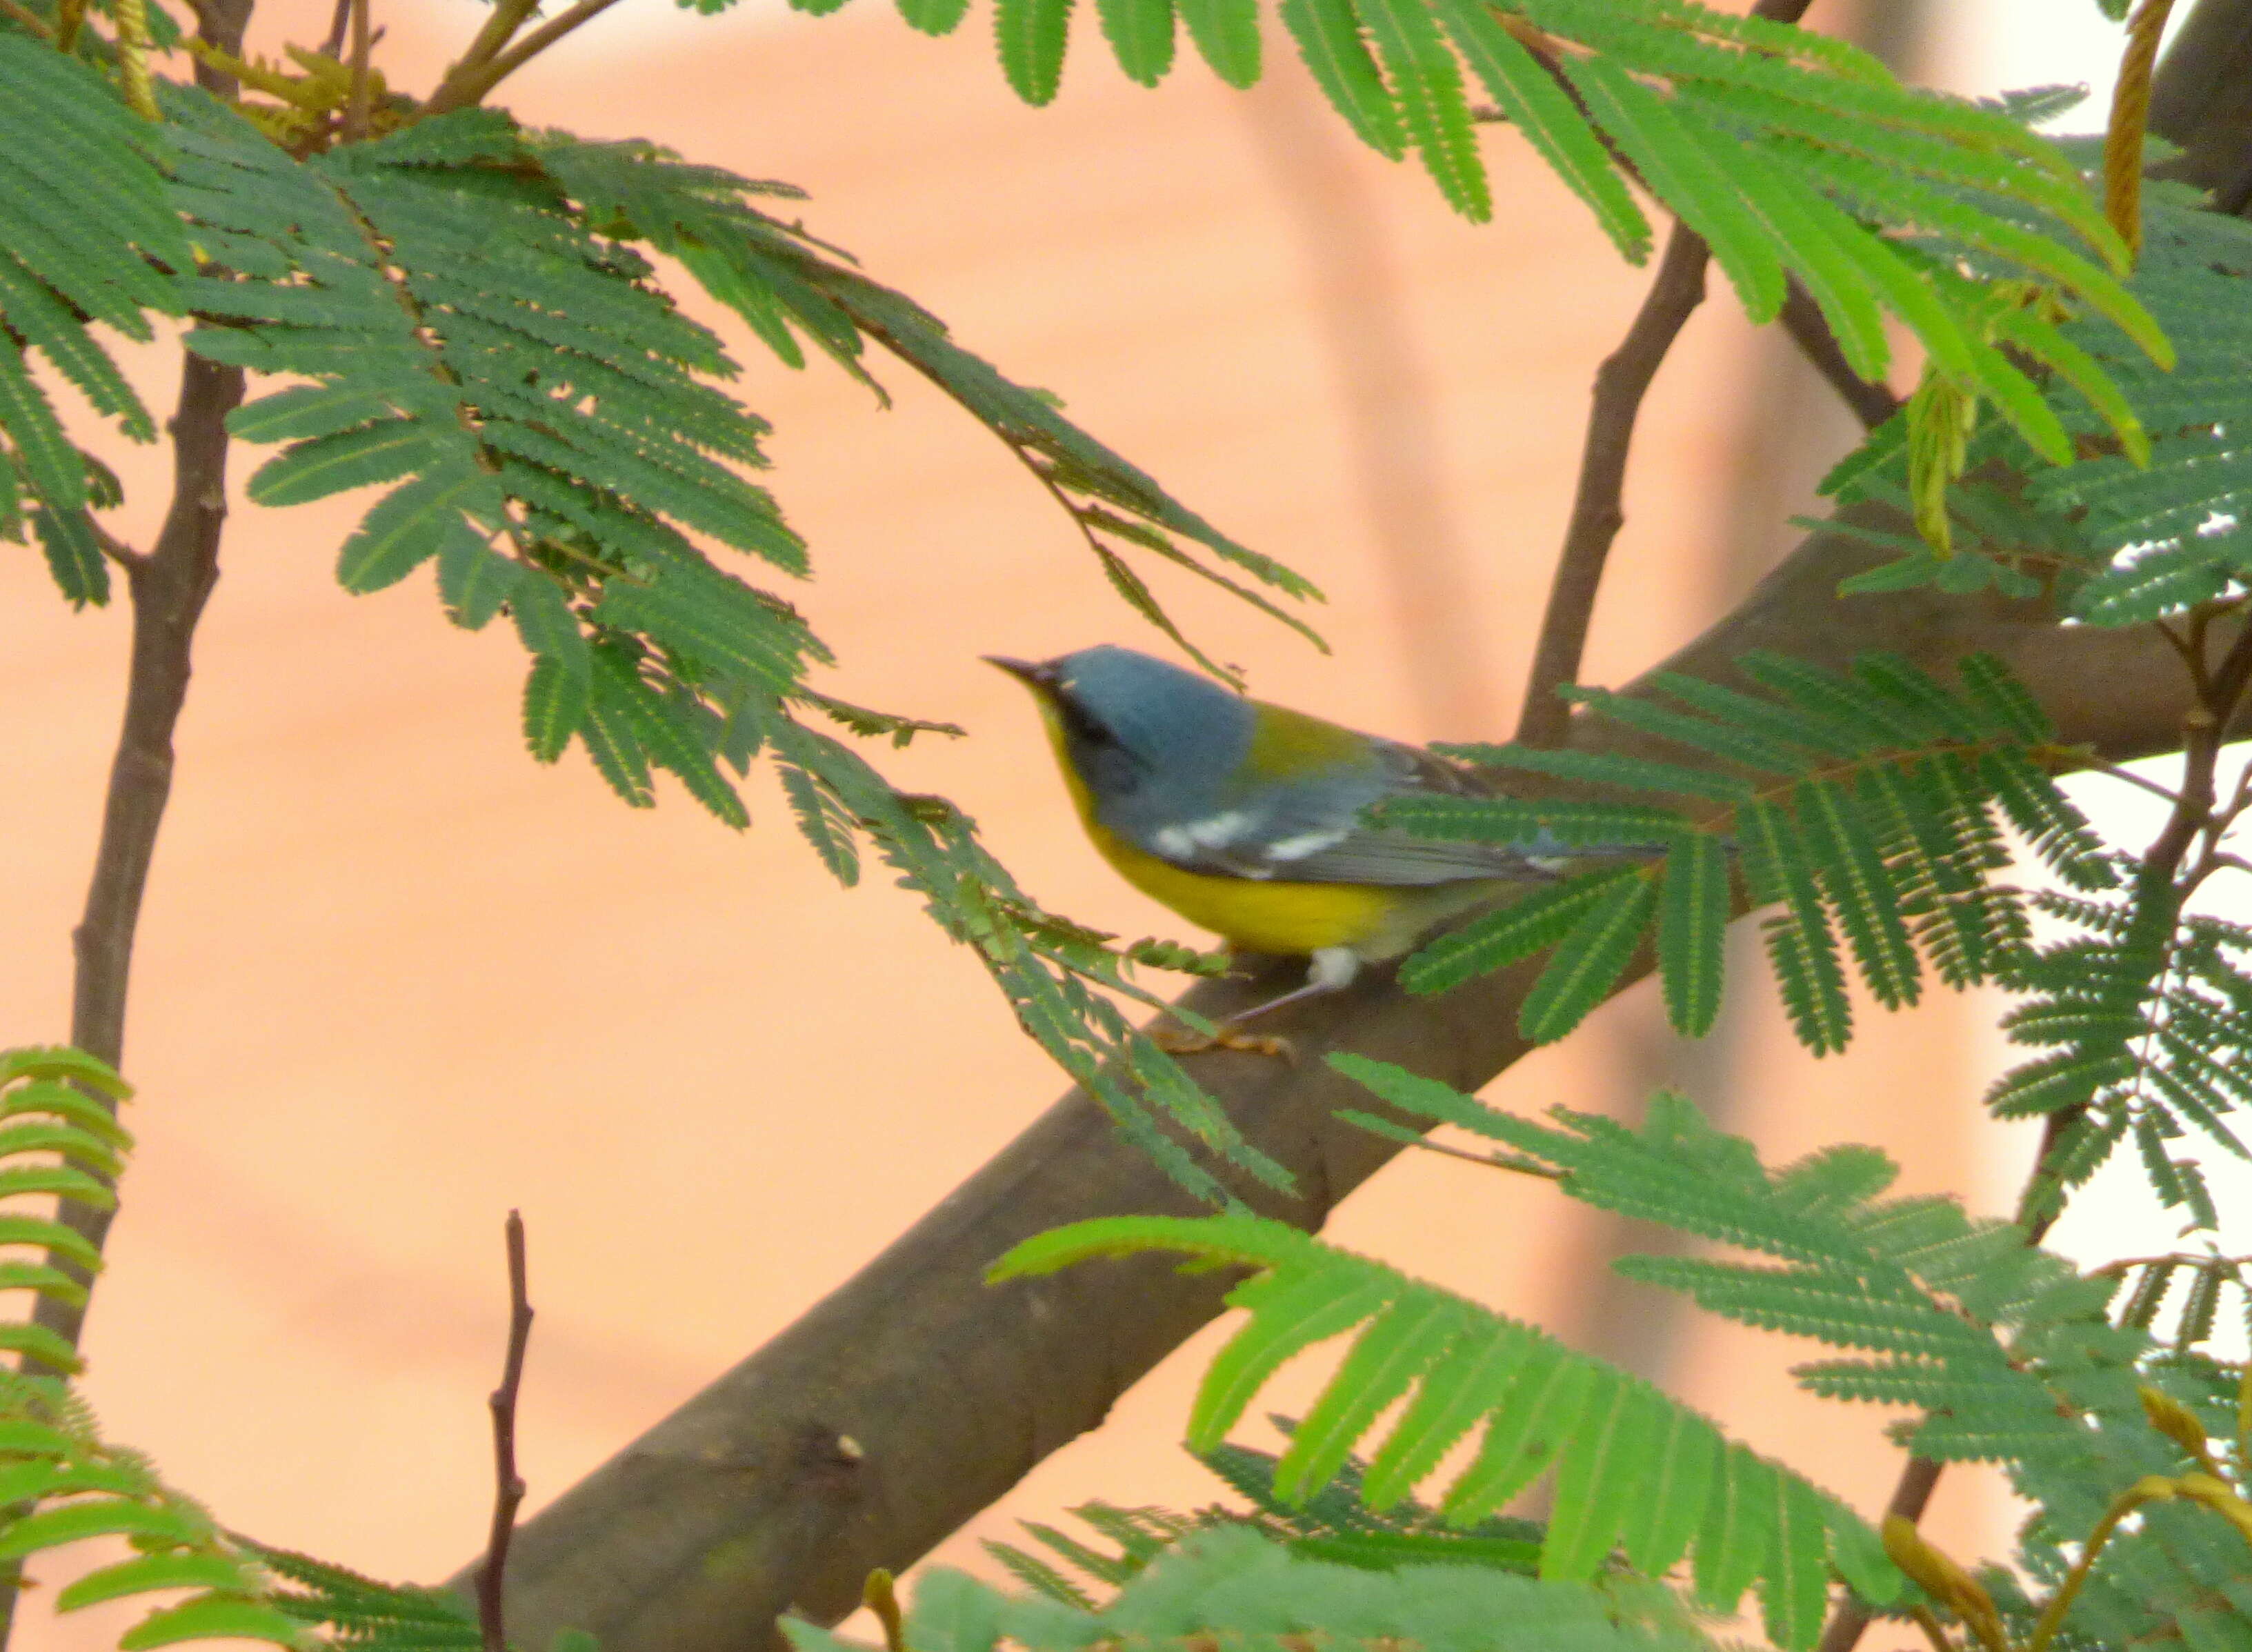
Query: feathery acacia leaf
point(1860, 802)
point(1548, 1408)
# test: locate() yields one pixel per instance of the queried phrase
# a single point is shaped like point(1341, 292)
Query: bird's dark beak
point(1034, 676)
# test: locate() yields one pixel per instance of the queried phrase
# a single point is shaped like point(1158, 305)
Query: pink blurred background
point(393, 978)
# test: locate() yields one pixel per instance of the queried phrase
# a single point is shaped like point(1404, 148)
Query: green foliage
point(59, 1139)
point(1335, 1524)
point(462, 315)
point(60, 1483)
point(1861, 804)
point(1230, 1586)
point(2132, 529)
point(1794, 157)
point(72, 256)
point(2005, 1350)
point(2145, 1019)
point(1633, 1470)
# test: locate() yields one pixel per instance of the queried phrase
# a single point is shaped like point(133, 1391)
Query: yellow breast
point(1258, 914)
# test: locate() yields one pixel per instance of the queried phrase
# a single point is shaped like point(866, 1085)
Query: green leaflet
point(555, 701)
point(1031, 35)
point(1692, 932)
point(546, 624)
point(1860, 888)
point(1330, 40)
point(1226, 34)
point(1141, 36)
point(211, 1617)
point(1689, 177)
point(1544, 1406)
point(1525, 926)
point(818, 821)
point(1539, 109)
point(474, 580)
point(31, 307)
point(408, 527)
point(1427, 88)
point(1589, 959)
point(934, 17)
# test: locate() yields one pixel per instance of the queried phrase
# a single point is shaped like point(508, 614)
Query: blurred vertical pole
point(1361, 307)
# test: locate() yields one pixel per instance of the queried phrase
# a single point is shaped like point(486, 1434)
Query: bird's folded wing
point(1311, 831)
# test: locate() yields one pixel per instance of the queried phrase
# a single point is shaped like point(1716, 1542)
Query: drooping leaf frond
point(1750, 1522)
point(1231, 1585)
point(474, 329)
point(2006, 1350)
point(1795, 155)
point(72, 253)
point(1860, 804)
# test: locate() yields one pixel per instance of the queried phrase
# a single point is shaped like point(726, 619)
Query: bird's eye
point(1084, 727)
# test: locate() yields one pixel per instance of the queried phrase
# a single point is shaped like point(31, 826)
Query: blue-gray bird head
point(1154, 744)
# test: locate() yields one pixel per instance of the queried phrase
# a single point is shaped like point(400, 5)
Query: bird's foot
point(1186, 1041)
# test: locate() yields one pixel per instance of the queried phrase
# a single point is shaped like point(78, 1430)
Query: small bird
point(1246, 818)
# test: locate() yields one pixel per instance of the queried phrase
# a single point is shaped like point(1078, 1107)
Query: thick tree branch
point(914, 1395)
point(2202, 100)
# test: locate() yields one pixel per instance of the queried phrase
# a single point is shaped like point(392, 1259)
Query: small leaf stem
point(466, 84)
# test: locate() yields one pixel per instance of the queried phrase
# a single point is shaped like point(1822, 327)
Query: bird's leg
point(1331, 969)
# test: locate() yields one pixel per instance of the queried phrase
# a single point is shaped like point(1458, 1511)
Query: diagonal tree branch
point(914, 1395)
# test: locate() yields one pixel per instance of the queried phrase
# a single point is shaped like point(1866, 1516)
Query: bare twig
point(508, 1484)
point(339, 20)
point(356, 103)
point(167, 586)
point(1597, 511)
point(2113, 771)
